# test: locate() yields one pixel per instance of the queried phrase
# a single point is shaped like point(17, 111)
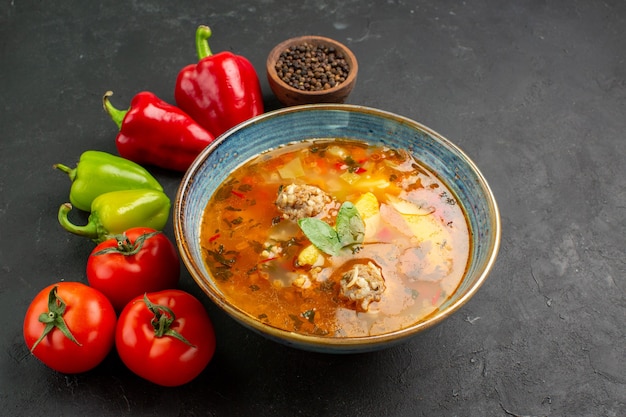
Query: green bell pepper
point(100, 172)
point(115, 212)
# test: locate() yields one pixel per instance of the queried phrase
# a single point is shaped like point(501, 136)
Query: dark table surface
point(533, 91)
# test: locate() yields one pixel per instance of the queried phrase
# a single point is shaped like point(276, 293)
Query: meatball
point(300, 201)
point(362, 284)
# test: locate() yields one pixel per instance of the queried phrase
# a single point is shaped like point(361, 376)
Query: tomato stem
point(125, 246)
point(54, 318)
point(162, 321)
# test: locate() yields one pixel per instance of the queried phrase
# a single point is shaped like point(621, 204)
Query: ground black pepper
point(312, 67)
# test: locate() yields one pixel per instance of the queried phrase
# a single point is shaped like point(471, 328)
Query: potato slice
point(367, 205)
point(310, 255)
point(292, 169)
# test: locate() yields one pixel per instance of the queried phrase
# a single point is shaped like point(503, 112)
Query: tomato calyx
point(125, 246)
point(54, 318)
point(162, 321)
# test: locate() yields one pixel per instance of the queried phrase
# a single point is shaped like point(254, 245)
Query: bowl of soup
point(336, 228)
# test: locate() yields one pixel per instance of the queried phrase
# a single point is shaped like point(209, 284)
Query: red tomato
point(139, 261)
point(146, 337)
point(89, 319)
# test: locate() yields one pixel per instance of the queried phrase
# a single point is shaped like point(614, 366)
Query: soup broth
point(393, 247)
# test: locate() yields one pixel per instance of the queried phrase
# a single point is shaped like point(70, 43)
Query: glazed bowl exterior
point(290, 96)
point(280, 127)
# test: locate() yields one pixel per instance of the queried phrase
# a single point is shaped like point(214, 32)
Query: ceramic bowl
point(289, 124)
point(290, 96)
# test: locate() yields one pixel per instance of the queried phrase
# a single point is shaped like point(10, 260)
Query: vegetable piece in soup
point(335, 238)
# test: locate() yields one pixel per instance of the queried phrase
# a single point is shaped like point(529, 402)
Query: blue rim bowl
point(279, 127)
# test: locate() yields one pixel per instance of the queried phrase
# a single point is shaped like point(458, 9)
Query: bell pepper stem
point(203, 33)
point(90, 230)
point(69, 171)
point(116, 115)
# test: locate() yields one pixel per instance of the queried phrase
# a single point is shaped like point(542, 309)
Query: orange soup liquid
point(415, 232)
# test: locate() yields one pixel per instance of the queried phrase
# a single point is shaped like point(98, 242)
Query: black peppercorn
point(312, 67)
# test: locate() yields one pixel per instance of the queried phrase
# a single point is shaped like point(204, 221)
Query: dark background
point(533, 91)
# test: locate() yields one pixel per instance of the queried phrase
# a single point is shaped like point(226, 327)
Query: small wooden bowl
point(290, 96)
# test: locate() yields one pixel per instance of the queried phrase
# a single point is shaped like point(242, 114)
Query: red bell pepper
point(221, 90)
point(156, 133)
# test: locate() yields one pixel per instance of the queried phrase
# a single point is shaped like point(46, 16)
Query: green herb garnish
point(321, 235)
point(350, 226)
point(349, 230)
point(309, 315)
